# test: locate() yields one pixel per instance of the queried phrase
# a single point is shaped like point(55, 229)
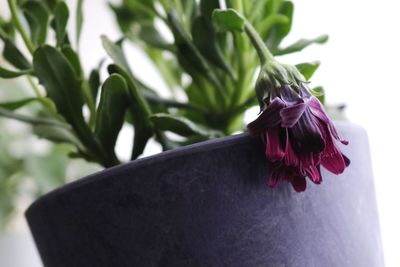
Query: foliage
point(221, 65)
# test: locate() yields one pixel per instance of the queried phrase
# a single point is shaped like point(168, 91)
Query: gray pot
point(208, 205)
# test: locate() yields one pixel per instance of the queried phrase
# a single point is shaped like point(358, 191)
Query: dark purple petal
point(288, 95)
point(346, 160)
point(269, 118)
point(274, 150)
point(318, 110)
point(290, 115)
point(307, 135)
point(299, 183)
point(274, 179)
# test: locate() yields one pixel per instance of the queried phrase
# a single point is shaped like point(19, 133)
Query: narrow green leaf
point(151, 36)
point(181, 126)
point(319, 93)
point(113, 104)
point(208, 6)
point(57, 135)
point(301, 44)
point(190, 57)
point(51, 4)
point(38, 20)
point(280, 30)
point(116, 53)
point(13, 55)
point(140, 111)
point(63, 86)
point(8, 74)
point(94, 83)
point(79, 20)
point(14, 105)
point(61, 16)
point(228, 20)
point(31, 120)
point(308, 69)
point(73, 59)
point(204, 38)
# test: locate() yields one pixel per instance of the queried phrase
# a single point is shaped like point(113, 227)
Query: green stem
point(14, 15)
point(34, 87)
point(263, 53)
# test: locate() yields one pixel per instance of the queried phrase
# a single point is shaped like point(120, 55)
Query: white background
point(360, 67)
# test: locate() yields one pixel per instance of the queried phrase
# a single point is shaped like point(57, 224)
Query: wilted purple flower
point(298, 134)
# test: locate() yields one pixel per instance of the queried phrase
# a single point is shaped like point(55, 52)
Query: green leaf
point(151, 36)
point(208, 6)
point(79, 20)
point(57, 135)
point(111, 112)
point(205, 40)
point(181, 126)
point(38, 20)
point(94, 83)
point(301, 44)
point(308, 69)
point(12, 54)
point(8, 74)
point(116, 53)
point(73, 59)
point(319, 93)
point(281, 29)
point(31, 120)
point(140, 111)
point(63, 86)
point(191, 59)
point(61, 16)
point(228, 20)
point(51, 4)
point(14, 105)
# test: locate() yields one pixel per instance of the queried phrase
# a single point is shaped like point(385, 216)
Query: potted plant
point(205, 204)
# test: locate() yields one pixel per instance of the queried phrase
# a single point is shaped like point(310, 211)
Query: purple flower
point(298, 134)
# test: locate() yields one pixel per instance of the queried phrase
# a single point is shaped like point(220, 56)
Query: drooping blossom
point(298, 134)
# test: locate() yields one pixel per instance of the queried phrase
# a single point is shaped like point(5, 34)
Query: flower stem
point(263, 52)
point(17, 22)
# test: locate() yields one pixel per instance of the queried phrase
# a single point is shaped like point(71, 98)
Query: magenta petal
point(291, 158)
point(299, 183)
point(332, 159)
point(314, 174)
point(274, 150)
point(274, 179)
point(290, 115)
point(269, 118)
point(318, 110)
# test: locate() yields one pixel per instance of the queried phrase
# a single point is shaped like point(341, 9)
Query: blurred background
point(359, 69)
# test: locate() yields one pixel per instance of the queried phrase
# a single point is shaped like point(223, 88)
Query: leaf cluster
point(209, 71)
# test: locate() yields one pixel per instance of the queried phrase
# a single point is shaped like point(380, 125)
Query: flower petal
point(307, 134)
point(274, 178)
point(290, 115)
point(318, 111)
point(268, 118)
point(274, 150)
point(315, 174)
point(332, 159)
point(299, 183)
point(291, 158)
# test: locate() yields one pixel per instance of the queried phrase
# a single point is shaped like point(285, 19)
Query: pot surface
point(208, 205)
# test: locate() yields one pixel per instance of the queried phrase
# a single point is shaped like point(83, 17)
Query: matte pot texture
point(208, 205)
